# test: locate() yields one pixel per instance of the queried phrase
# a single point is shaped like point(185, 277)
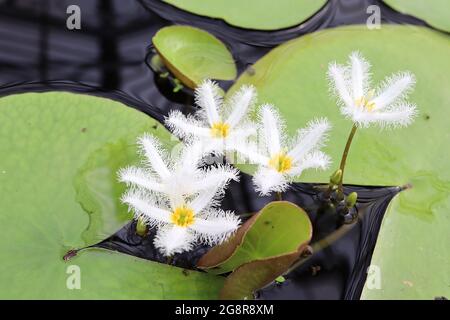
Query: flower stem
point(279, 196)
point(345, 154)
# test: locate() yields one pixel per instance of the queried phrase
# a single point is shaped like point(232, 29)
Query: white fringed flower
point(178, 173)
point(174, 195)
point(385, 106)
point(219, 126)
point(279, 160)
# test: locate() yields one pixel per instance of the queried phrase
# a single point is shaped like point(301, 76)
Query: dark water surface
point(107, 57)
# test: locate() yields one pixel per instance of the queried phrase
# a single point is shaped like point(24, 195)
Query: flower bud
point(350, 201)
point(336, 177)
point(157, 64)
point(339, 196)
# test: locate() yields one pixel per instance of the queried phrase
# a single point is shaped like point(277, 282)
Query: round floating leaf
point(219, 254)
point(436, 13)
point(46, 140)
point(193, 55)
point(254, 14)
point(411, 245)
point(279, 228)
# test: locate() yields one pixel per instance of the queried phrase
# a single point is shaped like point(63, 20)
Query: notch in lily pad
point(192, 55)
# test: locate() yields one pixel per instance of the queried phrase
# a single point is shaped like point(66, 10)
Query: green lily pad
point(254, 14)
point(412, 243)
point(46, 140)
point(436, 13)
point(193, 55)
point(279, 228)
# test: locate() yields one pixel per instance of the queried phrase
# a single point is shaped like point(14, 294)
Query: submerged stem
point(345, 154)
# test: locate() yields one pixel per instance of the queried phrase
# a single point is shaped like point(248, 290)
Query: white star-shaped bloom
point(220, 126)
point(280, 159)
point(174, 195)
point(385, 106)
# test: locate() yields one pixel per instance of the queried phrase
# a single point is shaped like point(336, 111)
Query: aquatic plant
point(178, 194)
point(385, 106)
point(178, 198)
point(181, 199)
point(219, 126)
point(279, 159)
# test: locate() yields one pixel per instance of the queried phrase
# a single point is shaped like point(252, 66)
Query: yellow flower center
point(364, 102)
point(182, 216)
point(281, 162)
point(220, 129)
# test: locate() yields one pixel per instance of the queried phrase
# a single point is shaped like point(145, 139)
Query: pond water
point(107, 57)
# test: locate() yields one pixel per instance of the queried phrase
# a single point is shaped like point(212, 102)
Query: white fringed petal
point(315, 160)
point(360, 74)
point(215, 178)
point(171, 239)
point(310, 138)
point(272, 125)
point(134, 176)
point(250, 152)
point(339, 83)
point(398, 116)
point(208, 197)
point(241, 102)
point(208, 97)
point(395, 88)
point(145, 206)
point(154, 154)
point(216, 227)
point(185, 127)
point(268, 180)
